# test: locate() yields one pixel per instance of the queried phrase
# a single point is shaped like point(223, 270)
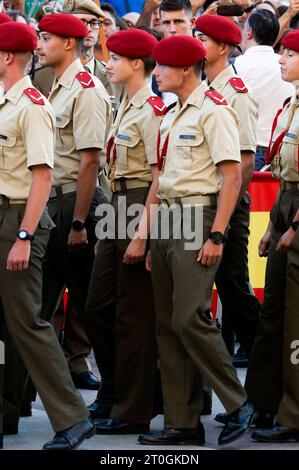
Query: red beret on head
point(133, 43)
point(63, 24)
point(17, 37)
point(220, 29)
point(179, 51)
point(4, 18)
point(291, 40)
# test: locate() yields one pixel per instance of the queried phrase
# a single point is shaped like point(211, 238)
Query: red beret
point(220, 29)
point(291, 40)
point(133, 43)
point(4, 18)
point(63, 24)
point(17, 37)
point(179, 51)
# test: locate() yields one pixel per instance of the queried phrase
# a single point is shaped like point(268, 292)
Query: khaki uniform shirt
point(244, 104)
point(201, 135)
point(83, 119)
point(26, 139)
point(136, 134)
point(285, 164)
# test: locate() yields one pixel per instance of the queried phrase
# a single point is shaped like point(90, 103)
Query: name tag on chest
point(123, 137)
point(291, 136)
point(187, 136)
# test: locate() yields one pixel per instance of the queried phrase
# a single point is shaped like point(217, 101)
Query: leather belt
point(6, 202)
point(125, 184)
point(205, 200)
point(63, 189)
point(288, 185)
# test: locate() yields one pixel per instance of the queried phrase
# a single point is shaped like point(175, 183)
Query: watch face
point(22, 234)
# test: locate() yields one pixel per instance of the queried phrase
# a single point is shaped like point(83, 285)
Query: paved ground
point(34, 431)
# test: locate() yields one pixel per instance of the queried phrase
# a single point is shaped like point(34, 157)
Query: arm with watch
point(288, 237)
point(86, 185)
point(18, 257)
point(212, 249)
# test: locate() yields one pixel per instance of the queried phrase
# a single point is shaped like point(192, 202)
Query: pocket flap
point(46, 221)
point(7, 141)
point(62, 120)
point(127, 140)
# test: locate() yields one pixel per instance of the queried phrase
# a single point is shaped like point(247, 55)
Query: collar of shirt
point(196, 98)
point(222, 78)
point(16, 91)
point(141, 96)
point(263, 49)
point(67, 78)
point(91, 66)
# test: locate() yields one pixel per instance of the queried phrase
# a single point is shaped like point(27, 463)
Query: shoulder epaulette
point(85, 79)
point(158, 105)
point(35, 96)
point(238, 84)
point(216, 97)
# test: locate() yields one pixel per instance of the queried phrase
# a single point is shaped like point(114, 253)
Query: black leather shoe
point(240, 360)
point(171, 436)
point(26, 409)
point(1, 441)
point(261, 420)
point(86, 380)
point(277, 434)
point(10, 429)
point(72, 437)
point(116, 426)
point(237, 424)
point(100, 409)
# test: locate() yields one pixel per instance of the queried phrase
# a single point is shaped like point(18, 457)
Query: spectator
point(131, 18)
point(176, 18)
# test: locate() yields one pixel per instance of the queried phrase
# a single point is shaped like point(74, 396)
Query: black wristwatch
point(295, 224)
point(217, 237)
point(78, 225)
point(24, 235)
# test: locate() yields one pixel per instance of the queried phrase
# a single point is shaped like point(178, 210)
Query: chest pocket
point(7, 144)
point(187, 146)
point(127, 148)
point(64, 134)
point(289, 153)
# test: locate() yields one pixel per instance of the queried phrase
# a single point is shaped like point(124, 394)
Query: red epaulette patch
point(216, 97)
point(85, 79)
point(158, 105)
point(35, 96)
point(238, 84)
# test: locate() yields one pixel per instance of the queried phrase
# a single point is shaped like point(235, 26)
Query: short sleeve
point(91, 118)
point(149, 130)
point(221, 132)
point(37, 127)
point(246, 108)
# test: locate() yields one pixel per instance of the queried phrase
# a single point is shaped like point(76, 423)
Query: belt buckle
point(113, 186)
point(282, 185)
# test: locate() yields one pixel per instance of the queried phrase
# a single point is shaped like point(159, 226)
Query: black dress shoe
point(26, 409)
point(261, 420)
point(86, 380)
point(171, 436)
point(10, 429)
point(277, 434)
point(100, 409)
point(116, 426)
point(240, 359)
point(72, 437)
point(237, 424)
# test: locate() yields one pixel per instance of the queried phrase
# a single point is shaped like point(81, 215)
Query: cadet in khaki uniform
point(83, 117)
point(122, 309)
point(200, 148)
point(272, 379)
point(220, 35)
point(27, 126)
point(92, 15)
